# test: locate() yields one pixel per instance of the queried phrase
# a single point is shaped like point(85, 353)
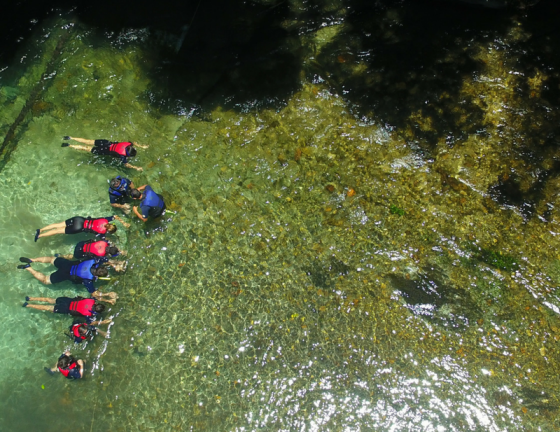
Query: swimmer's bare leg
point(43, 299)
point(41, 307)
point(39, 276)
point(55, 368)
point(56, 231)
point(53, 226)
point(83, 140)
point(44, 260)
point(80, 147)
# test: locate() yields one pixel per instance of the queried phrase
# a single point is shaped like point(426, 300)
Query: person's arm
point(133, 167)
point(141, 146)
point(124, 207)
point(88, 283)
point(126, 225)
point(137, 213)
point(141, 188)
point(81, 364)
point(102, 333)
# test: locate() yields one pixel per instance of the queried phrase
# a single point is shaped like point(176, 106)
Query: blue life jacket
point(83, 270)
point(122, 189)
point(154, 201)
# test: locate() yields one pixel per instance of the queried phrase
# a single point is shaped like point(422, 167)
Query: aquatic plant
point(499, 260)
point(396, 210)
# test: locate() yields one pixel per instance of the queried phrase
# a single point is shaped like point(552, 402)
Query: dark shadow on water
point(403, 60)
point(431, 295)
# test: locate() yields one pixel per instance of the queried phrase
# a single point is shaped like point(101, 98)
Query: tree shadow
point(406, 65)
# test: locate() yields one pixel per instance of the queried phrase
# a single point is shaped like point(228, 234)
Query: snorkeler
point(84, 272)
point(120, 150)
point(152, 204)
point(100, 250)
point(68, 366)
point(77, 306)
point(119, 193)
point(80, 331)
point(79, 224)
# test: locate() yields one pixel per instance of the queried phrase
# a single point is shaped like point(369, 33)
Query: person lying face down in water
point(68, 366)
point(85, 272)
point(120, 150)
point(80, 331)
point(79, 224)
point(77, 306)
point(101, 250)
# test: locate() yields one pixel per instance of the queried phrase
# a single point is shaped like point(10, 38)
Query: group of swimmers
point(92, 256)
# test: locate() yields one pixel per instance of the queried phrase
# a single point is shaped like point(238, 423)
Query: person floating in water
point(80, 331)
point(100, 250)
point(151, 204)
point(86, 308)
point(68, 366)
point(121, 150)
point(79, 224)
point(119, 193)
point(84, 272)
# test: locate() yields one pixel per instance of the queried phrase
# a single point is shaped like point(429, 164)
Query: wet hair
point(131, 151)
point(98, 307)
point(100, 272)
point(135, 194)
point(83, 330)
point(112, 250)
point(111, 228)
point(65, 361)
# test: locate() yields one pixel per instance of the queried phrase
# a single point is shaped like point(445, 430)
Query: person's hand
point(126, 225)
point(140, 169)
point(126, 208)
point(67, 353)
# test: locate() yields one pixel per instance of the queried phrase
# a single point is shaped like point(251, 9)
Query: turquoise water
point(317, 269)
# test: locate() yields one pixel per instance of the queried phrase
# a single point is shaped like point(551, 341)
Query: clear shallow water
point(322, 271)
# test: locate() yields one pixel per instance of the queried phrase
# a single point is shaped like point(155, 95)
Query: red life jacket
point(66, 371)
point(96, 248)
point(83, 307)
point(96, 225)
point(120, 148)
point(76, 330)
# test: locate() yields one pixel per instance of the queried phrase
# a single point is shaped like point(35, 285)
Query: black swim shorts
point(63, 273)
point(62, 305)
point(79, 250)
point(101, 147)
point(74, 225)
